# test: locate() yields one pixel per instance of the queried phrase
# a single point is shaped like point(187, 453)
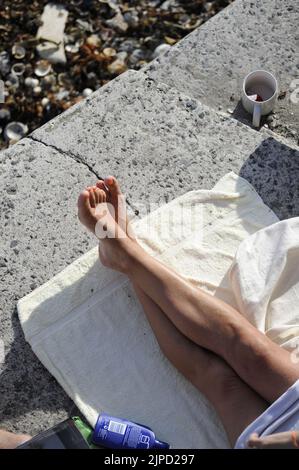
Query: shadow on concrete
point(27, 387)
point(273, 170)
point(243, 116)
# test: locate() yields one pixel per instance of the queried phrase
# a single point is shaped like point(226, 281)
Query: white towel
point(88, 329)
point(265, 280)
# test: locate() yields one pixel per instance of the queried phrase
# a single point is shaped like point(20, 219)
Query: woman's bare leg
point(235, 402)
point(215, 325)
point(9, 440)
point(206, 320)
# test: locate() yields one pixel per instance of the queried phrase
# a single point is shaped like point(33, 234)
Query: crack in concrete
point(77, 159)
point(68, 154)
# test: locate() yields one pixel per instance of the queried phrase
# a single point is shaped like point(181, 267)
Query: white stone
point(15, 131)
point(31, 82)
point(86, 92)
point(45, 101)
point(161, 49)
point(52, 32)
point(37, 90)
point(42, 68)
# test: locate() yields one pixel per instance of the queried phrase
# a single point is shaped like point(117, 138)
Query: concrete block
point(211, 62)
point(40, 235)
point(161, 143)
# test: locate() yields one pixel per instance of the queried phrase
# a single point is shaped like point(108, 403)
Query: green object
point(85, 430)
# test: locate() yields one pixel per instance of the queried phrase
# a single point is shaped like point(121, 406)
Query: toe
point(113, 185)
point(96, 194)
point(92, 198)
point(83, 205)
point(101, 185)
point(103, 195)
point(83, 200)
point(100, 196)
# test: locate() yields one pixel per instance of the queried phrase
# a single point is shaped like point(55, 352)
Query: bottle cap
point(160, 445)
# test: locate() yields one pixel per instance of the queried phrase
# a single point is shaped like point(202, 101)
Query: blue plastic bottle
point(116, 433)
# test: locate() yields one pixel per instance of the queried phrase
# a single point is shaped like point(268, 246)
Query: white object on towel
point(265, 280)
point(281, 416)
point(88, 329)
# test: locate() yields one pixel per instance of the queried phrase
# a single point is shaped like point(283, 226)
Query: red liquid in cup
point(255, 98)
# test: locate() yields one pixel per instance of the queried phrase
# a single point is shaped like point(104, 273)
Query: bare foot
point(97, 202)
point(9, 440)
point(102, 209)
point(87, 204)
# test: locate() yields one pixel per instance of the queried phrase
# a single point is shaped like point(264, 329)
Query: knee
point(249, 353)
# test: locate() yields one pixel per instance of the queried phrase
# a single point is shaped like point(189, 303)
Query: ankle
point(131, 251)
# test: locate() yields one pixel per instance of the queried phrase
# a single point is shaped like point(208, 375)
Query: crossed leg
point(236, 404)
point(215, 325)
point(234, 365)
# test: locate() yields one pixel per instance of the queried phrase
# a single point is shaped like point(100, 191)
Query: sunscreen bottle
point(117, 433)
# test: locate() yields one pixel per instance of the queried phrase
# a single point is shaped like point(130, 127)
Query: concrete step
point(161, 143)
point(40, 235)
point(211, 62)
